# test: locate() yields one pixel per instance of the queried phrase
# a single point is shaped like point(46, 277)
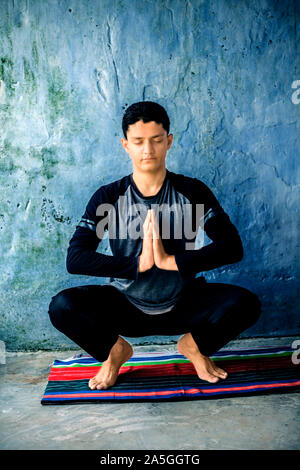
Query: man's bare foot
point(205, 367)
point(108, 373)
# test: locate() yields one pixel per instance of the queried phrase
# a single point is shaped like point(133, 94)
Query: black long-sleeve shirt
point(184, 205)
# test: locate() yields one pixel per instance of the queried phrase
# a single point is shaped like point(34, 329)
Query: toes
point(220, 373)
point(216, 374)
point(217, 371)
point(208, 376)
point(213, 379)
point(92, 383)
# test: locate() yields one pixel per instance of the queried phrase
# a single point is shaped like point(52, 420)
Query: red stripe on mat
point(161, 393)
point(77, 373)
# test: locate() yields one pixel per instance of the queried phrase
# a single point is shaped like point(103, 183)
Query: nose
point(148, 148)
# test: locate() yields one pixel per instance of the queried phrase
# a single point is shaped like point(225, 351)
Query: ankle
point(123, 345)
point(121, 342)
point(119, 349)
point(188, 342)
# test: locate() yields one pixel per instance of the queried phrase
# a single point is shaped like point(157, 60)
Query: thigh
point(203, 302)
point(103, 304)
point(206, 297)
point(96, 301)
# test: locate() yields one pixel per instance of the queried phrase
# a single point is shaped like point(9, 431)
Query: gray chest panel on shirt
point(155, 290)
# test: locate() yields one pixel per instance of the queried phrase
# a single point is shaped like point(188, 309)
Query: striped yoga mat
point(161, 376)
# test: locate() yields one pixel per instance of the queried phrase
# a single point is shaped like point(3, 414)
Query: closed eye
point(156, 141)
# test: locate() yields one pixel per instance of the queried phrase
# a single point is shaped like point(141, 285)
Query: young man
point(152, 217)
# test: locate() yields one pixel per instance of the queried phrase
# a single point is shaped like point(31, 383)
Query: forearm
point(91, 263)
point(82, 258)
point(226, 248)
point(209, 257)
point(212, 256)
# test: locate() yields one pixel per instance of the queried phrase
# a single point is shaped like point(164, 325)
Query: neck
point(149, 183)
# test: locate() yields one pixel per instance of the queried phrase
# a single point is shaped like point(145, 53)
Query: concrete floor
point(253, 422)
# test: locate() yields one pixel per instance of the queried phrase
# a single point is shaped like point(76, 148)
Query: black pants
point(94, 316)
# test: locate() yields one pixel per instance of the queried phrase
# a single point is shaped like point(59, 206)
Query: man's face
point(147, 144)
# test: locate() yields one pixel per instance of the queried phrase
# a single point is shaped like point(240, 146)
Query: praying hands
point(153, 251)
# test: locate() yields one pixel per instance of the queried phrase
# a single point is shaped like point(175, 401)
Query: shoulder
point(191, 187)
point(110, 192)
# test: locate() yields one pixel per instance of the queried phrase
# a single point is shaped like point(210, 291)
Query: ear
point(170, 140)
point(125, 144)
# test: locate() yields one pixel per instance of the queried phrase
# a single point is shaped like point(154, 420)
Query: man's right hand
point(146, 259)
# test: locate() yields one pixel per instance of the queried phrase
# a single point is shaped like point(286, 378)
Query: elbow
point(70, 265)
point(233, 251)
point(238, 251)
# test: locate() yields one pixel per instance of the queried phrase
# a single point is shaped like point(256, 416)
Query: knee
point(58, 307)
point(250, 306)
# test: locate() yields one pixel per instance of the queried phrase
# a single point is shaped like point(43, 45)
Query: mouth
point(148, 159)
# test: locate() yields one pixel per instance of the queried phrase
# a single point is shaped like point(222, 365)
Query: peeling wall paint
point(223, 70)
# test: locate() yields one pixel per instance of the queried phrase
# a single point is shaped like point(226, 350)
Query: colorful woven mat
point(161, 376)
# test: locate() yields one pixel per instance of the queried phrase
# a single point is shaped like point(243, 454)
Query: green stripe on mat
point(172, 361)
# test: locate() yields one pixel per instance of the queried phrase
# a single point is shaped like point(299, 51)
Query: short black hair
point(145, 111)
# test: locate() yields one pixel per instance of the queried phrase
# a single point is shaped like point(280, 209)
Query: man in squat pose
point(152, 217)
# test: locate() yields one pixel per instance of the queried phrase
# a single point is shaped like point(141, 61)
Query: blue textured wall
point(224, 71)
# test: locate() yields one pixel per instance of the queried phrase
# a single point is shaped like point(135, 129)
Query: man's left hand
point(161, 259)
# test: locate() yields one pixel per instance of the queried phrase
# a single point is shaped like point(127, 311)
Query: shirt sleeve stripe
point(87, 224)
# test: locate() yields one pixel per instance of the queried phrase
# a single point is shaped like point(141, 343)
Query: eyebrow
point(153, 137)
